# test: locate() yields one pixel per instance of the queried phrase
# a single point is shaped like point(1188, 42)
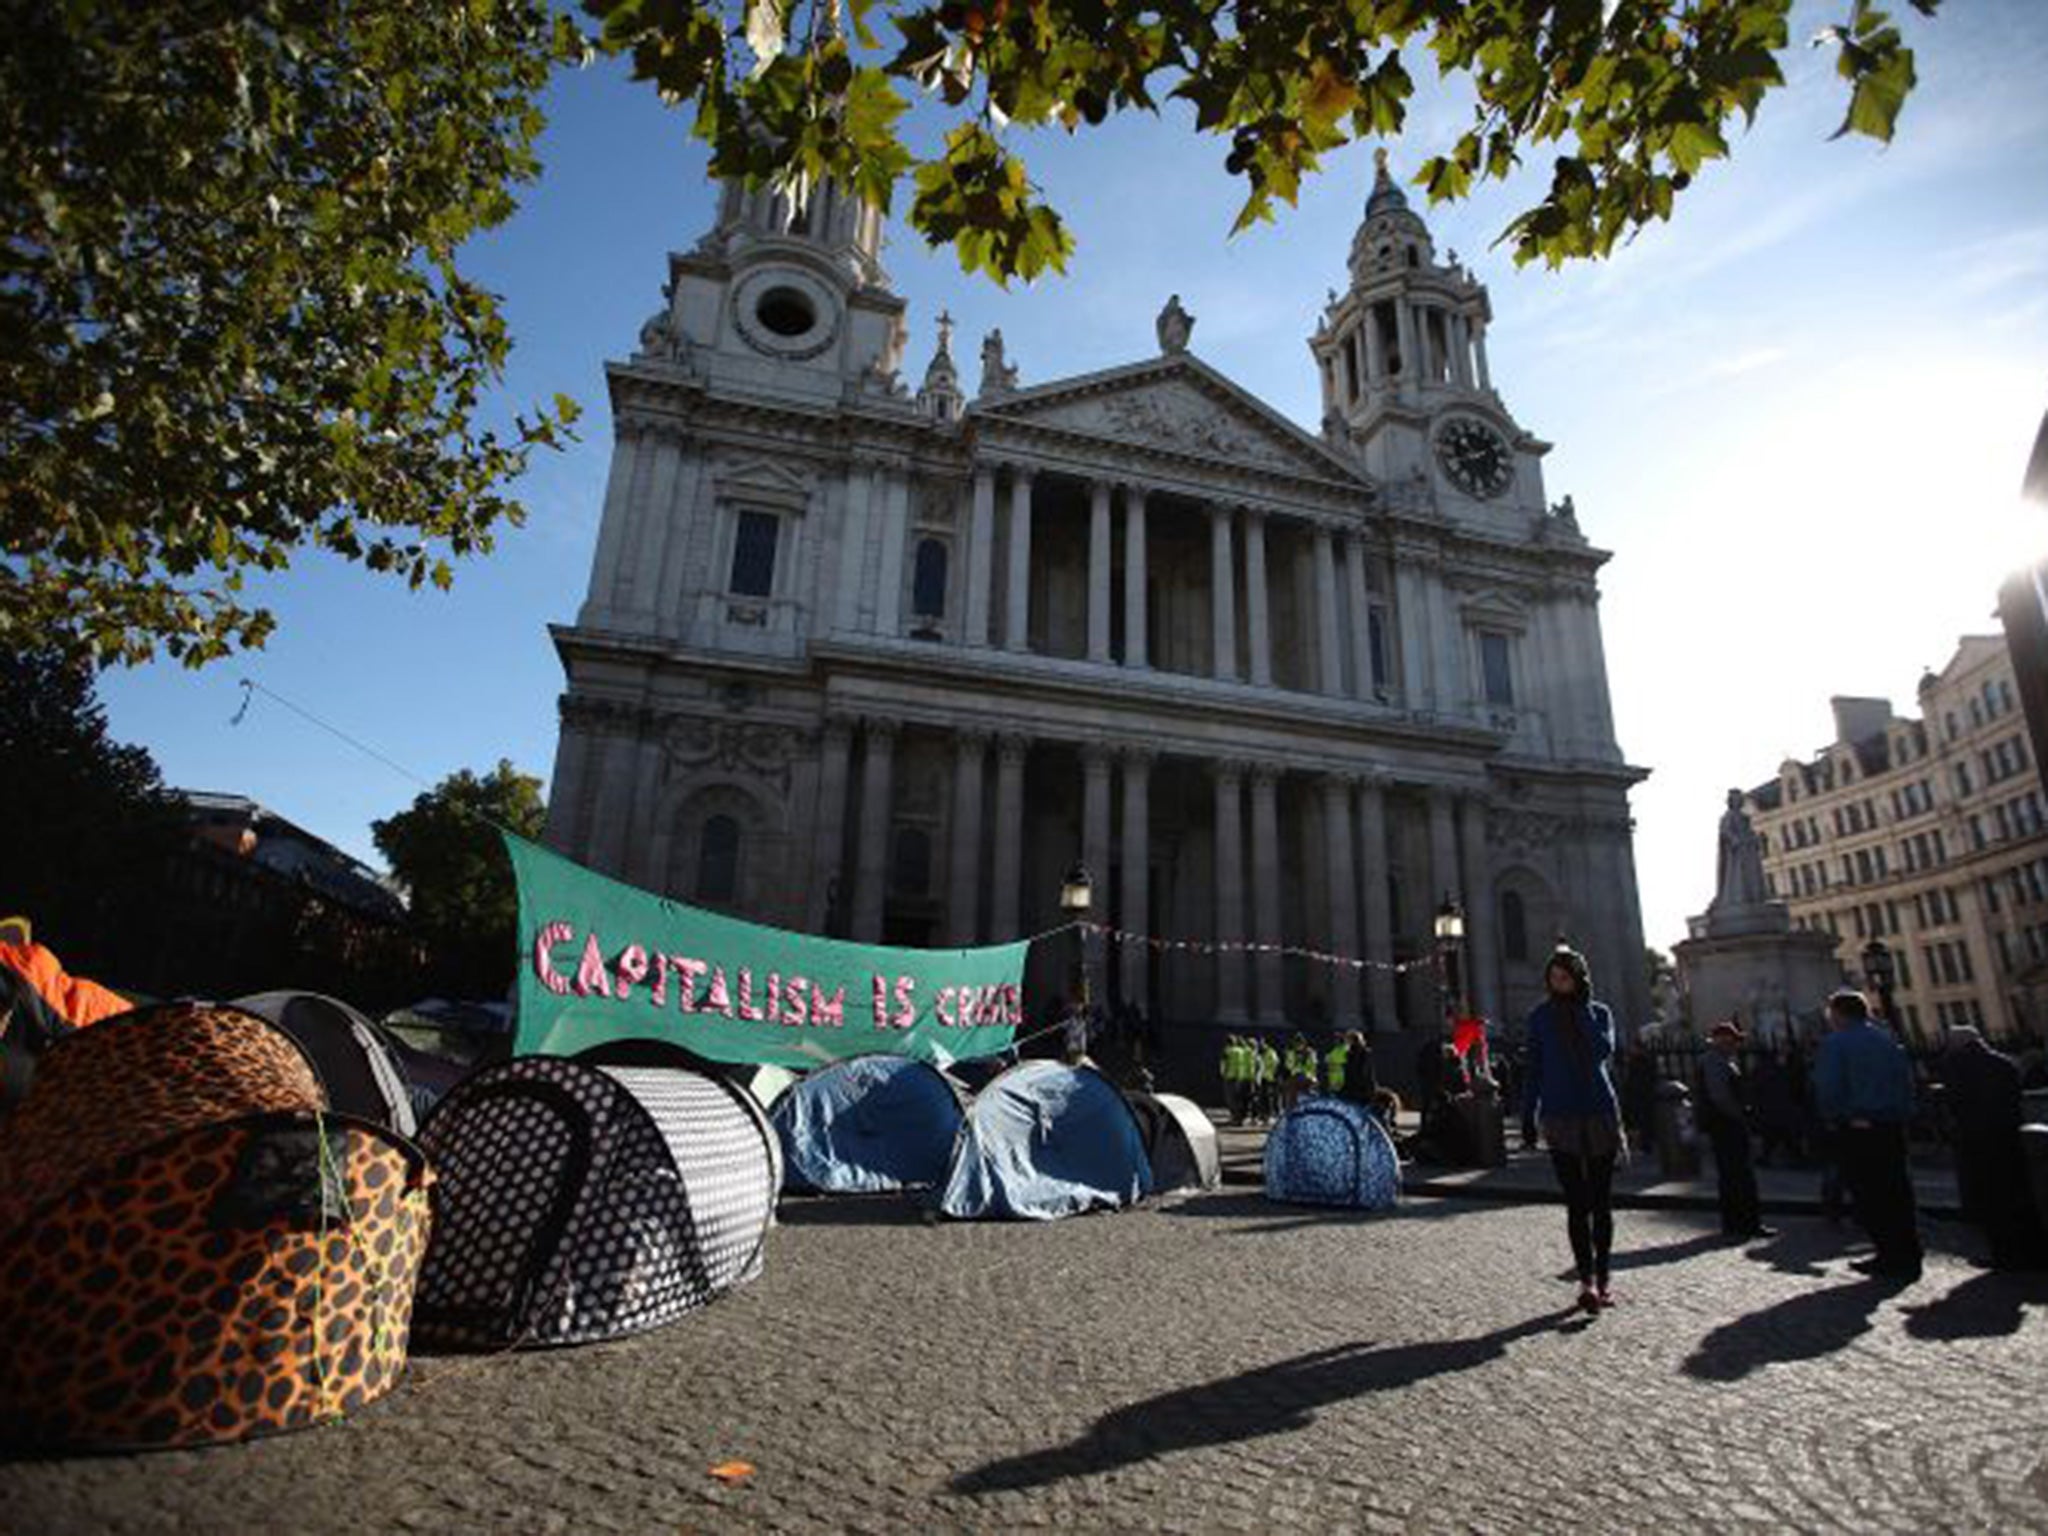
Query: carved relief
point(762, 751)
point(1176, 417)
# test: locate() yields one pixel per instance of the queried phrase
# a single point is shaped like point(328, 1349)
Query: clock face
point(1475, 457)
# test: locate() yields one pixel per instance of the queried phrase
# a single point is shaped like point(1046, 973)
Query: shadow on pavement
point(1806, 1327)
point(890, 1210)
point(1986, 1306)
point(1263, 1215)
point(1662, 1253)
point(1274, 1399)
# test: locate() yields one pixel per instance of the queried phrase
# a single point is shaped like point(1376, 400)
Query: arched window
point(1514, 927)
point(928, 581)
point(910, 872)
point(718, 860)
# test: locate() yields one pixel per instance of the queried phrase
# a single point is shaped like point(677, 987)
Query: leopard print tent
point(193, 1247)
point(579, 1202)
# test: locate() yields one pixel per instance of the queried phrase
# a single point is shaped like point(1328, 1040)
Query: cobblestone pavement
point(1214, 1364)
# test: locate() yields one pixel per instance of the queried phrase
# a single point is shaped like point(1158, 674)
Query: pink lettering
point(746, 1009)
point(881, 1002)
point(796, 1002)
point(591, 976)
point(544, 942)
point(717, 999)
point(1013, 1005)
point(906, 1001)
point(688, 972)
point(632, 969)
point(942, 1008)
point(828, 1012)
point(657, 992)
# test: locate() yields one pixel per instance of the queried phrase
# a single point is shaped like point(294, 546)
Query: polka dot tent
point(1328, 1151)
point(578, 1202)
point(193, 1246)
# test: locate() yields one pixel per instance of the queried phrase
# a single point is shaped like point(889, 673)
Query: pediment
point(757, 479)
point(1179, 406)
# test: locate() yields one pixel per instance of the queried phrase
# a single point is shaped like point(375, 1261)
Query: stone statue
point(1175, 326)
point(998, 374)
point(1740, 878)
point(1566, 513)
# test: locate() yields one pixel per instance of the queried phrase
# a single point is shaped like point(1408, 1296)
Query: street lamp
point(1077, 895)
point(1877, 970)
point(1450, 939)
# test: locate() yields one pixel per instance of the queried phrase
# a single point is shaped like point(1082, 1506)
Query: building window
point(753, 554)
point(928, 580)
point(910, 869)
point(718, 860)
point(1514, 927)
point(1493, 662)
point(1376, 644)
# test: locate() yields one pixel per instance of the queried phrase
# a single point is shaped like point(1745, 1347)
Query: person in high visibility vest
point(1231, 1069)
point(1302, 1074)
point(1269, 1077)
point(1333, 1064)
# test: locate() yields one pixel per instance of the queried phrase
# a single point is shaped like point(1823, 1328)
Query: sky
point(1797, 415)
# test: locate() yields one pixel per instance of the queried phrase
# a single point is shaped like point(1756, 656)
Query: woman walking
point(1569, 1094)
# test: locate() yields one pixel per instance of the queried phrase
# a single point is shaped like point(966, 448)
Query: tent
point(766, 1083)
point(1046, 1140)
point(193, 1247)
point(1180, 1141)
point(867, 1124)
point(1329, 1151)
point(357, 1061)
point(578, 1202)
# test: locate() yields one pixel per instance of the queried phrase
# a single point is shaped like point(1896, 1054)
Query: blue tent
point(1045, 1140)
point(866, 1124)
point(1328, 1151)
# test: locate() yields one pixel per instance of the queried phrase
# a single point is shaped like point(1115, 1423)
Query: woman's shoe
point(1589, 1299)
point(1605, 1298)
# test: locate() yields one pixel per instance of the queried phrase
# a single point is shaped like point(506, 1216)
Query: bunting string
point(1251, 947)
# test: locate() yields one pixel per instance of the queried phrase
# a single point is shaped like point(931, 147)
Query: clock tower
point(1406, 389)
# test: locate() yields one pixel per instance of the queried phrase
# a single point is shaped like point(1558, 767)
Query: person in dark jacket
point(1726, 1113)
point(1863, 1084)
point(1569, 1094)
point(1983, 1091)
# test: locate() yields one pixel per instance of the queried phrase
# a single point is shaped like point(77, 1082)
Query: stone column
point(1017, 611)
point(1375, 349)
point(828, 823)
point(1412, 619)
point(629, 440)
point(1361, 614)
point(1223, 593)
point(1098, 573)
point(1266, 966)
point(963, 883)
point(853, 546)
point(981, 549)
point(1411, 355)
point(1479, 355)
point(892, 488)
point(877, 806)
point(1135, 915)
point(1343, 869)
point(1229, 834)
point(1095, 765)
point(1482, 960)
point(1134, 576)
point(1329, 658)
point(1461, 350)
point(1007, 877)
point(1379, 923)
point(612, 807)
point(564, 831)
point(1258, 627)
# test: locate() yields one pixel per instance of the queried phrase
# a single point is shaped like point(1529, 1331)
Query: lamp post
point(1450, 939)
point(1077, 896)
point(1878, 972)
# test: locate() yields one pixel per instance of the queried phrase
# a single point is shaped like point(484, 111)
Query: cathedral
point(883, 662)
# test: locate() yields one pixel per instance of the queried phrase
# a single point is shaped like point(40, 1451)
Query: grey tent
point(578, 1202)
point(356, 1060)
point(1179, 1139)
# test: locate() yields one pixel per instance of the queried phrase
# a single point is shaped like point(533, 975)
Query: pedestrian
point(1864, 1085)
point(1236, 1071)
point(1725, 1109)
point(1360, 1084)
point(1333, 1064)
point(1269, 1079)
point(1569, 1095)
point(1777, 1110)
point(1982, 1087)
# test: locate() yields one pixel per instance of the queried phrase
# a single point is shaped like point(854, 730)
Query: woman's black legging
point(1588, 1210)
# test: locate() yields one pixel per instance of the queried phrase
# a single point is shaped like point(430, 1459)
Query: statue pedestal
point(1750, 963)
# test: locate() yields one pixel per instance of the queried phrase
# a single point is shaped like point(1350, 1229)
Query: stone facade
point(1929, 836)
point(882, 663)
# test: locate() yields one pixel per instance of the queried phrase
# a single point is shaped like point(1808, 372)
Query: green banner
point(604, 961)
